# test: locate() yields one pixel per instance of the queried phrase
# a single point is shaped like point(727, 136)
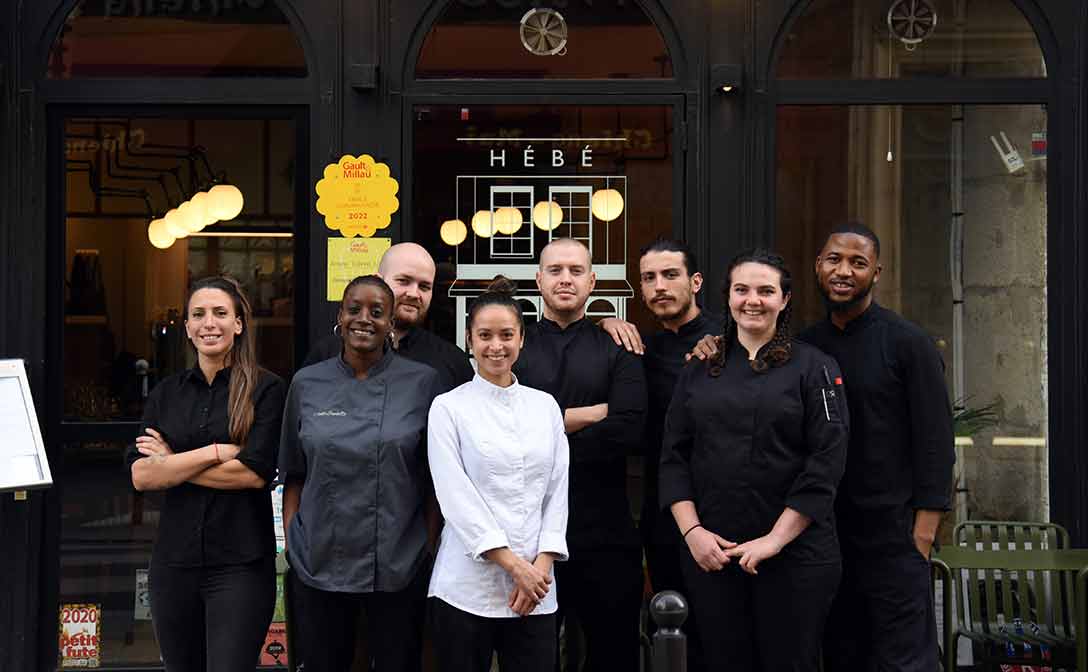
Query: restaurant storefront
point(507, 123)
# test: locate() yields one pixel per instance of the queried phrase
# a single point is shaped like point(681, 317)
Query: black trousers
point(212, 619)
point(770, 622)
point(883, 618)
point(603, 590)
point(465, 642)
point(665, 563)
point(327, 624)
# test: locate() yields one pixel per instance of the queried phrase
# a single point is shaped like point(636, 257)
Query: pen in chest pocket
point(823, 393)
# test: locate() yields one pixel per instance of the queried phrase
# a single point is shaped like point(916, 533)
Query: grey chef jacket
point(359, 446)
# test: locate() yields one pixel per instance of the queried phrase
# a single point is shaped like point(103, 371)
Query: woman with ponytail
point(754, 447)
point(209, 438)
point(499, 460)
point(354, 462)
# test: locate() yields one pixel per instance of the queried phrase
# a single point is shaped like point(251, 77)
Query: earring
point(336, 329)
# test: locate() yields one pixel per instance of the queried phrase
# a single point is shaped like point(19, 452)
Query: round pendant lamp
point(453, 232)
point(547, 215)
point(607, 204)
point(482, 224)
point(226, 201)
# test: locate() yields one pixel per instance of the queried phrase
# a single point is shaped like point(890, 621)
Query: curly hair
point(780, 348)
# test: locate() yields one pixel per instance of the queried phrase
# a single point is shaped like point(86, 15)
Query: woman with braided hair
point(754, 447)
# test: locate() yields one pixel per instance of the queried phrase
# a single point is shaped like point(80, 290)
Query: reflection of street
point(107, 530)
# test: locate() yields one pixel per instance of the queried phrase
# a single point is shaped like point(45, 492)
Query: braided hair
point(779, 349)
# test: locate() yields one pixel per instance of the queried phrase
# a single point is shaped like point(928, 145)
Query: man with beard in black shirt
point(670, 281)
point(898, 477)
point(409, 270)
point(601, 389)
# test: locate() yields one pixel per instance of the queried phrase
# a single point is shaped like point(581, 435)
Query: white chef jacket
point(500, 463)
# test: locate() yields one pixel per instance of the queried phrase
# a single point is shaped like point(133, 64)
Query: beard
point(412, 318)
point(834, 306)
point(674, 313)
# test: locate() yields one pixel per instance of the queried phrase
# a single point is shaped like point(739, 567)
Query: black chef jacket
point(582, 366)
point(663, 361)
point(202, 526)
point(901, 444)
point(745, 445)
point(419, 345)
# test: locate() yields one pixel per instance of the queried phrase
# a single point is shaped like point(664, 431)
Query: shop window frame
point(1064, 413)
point(62, 431)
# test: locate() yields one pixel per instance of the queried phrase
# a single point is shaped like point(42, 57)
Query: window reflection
point(501, 165)
point(843, 39)
point(124, 298)
point(963, 227)
point(133, 38)
point(487, 39)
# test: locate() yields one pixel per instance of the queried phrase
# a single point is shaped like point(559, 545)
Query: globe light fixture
point(607, 204)
point(190, 217)
point(203, 203)
point(453, 232)
point(547, 215)
point(482, 224)
point(158, 234)
point(226, 202)
point(508, 220)
point(175, 225)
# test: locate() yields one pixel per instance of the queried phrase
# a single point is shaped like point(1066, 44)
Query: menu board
point(23, 464)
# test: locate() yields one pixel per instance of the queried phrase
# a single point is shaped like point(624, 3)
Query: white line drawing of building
point(517, 255)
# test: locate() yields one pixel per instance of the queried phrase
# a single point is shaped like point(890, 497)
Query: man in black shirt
point(601, 390)
point(898, 470)
point(670, 281)
point(409, 270)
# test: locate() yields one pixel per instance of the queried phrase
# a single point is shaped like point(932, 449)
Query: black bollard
point(669, 610)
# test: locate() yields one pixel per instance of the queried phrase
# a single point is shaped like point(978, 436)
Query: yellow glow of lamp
point(158, 234)
point(547, 215)
point(508, 220)
point(453, 232)
point(175, 224)
point(607, 204)
point(482, 224)
point(203, 203)
point(190, 217)
point(225, 201)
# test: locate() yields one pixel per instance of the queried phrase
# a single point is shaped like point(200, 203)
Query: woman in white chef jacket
point(499, 460)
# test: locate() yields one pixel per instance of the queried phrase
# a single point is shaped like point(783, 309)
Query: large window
point(893, 39)
point(137, 38)
point(958, 195)
point(493, 184)
point(513, 40)
point(125, 286)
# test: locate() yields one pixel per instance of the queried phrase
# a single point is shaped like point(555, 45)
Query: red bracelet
point(690, 529)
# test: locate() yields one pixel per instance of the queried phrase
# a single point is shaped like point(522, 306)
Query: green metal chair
point(1007, 592)
point(1010, 535)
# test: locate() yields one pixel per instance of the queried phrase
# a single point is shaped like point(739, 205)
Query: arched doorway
point(152, 109)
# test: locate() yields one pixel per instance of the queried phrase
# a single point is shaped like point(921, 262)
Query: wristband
point(685, 536)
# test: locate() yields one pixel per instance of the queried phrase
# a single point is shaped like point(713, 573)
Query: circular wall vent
point(911, 21)
point(544, 32)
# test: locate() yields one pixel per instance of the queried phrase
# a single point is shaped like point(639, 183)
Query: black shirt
point(901, 443)
point(664, 361)
point(745, 445)
point(359, 446)
point(582, 366)
point(202, 526)
point(420, 345)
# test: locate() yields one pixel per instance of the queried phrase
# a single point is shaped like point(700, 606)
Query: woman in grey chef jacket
point(499, 460)
point(354, 464)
